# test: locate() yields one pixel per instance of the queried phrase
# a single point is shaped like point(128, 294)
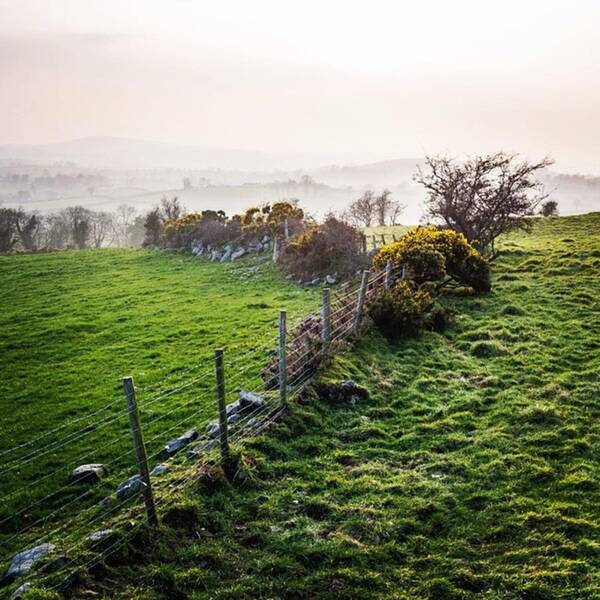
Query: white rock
point(20, 591)
point(130, 487)
point(24, 561)
point(90, 473)
point(238, 253)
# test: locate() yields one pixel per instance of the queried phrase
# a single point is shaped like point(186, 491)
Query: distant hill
point(124, 153)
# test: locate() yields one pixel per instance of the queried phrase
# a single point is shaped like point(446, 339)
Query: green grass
point(471, 471)
point(74, 323)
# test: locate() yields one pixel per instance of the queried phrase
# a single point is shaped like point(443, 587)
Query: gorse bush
point(430, 254)
point(401, 311)
point(270, 219)
point(331, 247)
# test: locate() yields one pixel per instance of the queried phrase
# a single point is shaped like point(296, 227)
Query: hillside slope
point(472, 469)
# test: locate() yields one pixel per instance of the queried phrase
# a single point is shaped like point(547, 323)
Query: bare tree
point(123, 219)
point(396, 209)
point(171, 210)
point(100, 225)
point(153, 225)
point(382, 206)
point(28, 226)
point(362, 210)
point(482, 197)
point(79, 223)
point(8, 229)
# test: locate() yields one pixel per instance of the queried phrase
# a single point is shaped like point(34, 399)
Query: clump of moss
point(487, 349)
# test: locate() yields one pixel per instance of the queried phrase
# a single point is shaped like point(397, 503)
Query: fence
point(264, 380)
point(374, 241)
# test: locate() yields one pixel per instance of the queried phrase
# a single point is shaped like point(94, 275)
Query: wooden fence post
point(222, 409)
point(363, 239)
point(140, 449)
point(394, 237)
point(275, 250)
point(282, 360)
point(286, 230)
point(361, 299)
point(374, 242)
point(383, 238)
point(326, 331)
point(388, 274)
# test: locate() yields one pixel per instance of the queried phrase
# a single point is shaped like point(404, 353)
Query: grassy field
point(74, 323)
point(471, 471)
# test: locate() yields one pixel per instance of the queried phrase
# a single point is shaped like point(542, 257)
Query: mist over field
point(103, 173)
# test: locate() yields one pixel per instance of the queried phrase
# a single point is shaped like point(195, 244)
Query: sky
point(368, 80)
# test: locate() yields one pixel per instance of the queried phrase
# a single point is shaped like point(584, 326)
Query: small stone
point(24, 561)
point(251, 400)
point(181, 442)
point(233, 419)
point(159, 469)
point(130, 487)
point(98, 536)
point(315, 281)
point(20, 591)
point(238, 253)
point(329, 279)
point(90, 473)
point(212, 430)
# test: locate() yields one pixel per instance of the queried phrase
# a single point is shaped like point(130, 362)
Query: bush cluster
point(401, 311)
point(269, 220)
point(328, 248)
point(211, 227)
point(431, 254)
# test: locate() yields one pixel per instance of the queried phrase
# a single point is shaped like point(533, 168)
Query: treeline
point(73, 227)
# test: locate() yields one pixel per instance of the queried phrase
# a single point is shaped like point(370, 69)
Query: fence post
point(222, 409)
point(374, 242)
point(388, 274)
point(282, 360)
point(394, 237)
point(326, 331)
point(140, 449)
point(361, 299)
point(286, 230)
point(275, 250)
point(383, 238)
point(363, 239)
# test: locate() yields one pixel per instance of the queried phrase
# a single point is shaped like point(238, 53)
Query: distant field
point(472, 471)
point(74, 323)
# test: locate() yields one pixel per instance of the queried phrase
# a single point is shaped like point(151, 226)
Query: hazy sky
point(370, 79)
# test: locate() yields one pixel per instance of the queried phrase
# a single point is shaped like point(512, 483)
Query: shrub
point(431, 254)
point(401, 311)
point(269, 220)
point(332, 247)
point(209, 227)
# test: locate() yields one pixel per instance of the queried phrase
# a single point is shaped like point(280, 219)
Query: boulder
point(23, 562)
point(130, 487)
point(238, 253)
point(226, 254)
point(315, 281)
point(251, 424)
point(181, 442)
point(90, 473)
point(232, 408)
point(344, 391)
point(250, 400)
point(159, 469)
point(212, 430)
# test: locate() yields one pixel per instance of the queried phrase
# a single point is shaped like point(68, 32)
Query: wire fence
point(177, 435)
